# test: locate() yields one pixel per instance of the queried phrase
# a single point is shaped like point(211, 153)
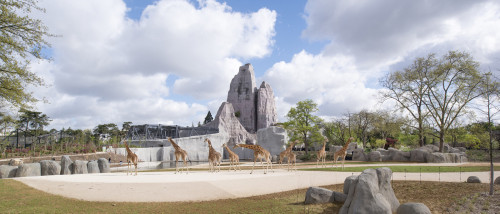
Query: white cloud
point(109, 68)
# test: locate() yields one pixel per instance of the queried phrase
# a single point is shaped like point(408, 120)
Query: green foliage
point(237, 114)
point(302, 124)
point(21, 38)
point(208, 118)
point(379, 143)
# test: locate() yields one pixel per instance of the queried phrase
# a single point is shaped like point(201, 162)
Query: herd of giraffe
point(215, 158)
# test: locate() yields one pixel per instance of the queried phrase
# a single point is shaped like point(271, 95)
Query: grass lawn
point(15, 197)
point(412, 168)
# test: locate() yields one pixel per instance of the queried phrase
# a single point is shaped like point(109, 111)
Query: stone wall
point(427, 154)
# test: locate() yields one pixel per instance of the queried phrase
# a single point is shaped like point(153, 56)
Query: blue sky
point(171, 61)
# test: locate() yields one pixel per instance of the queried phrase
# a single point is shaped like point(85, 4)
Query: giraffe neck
point(128, 149)
point(176, 147)
point(344, 148)
point(252, 147)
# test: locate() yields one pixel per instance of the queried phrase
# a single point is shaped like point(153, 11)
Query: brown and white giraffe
point(179, 154)
point(214, 157)
point(322, 154)
point(284, 153)
point(342, 153)
point(234, 159)
point(131, 159)
point(291, 160)
point(258, 153)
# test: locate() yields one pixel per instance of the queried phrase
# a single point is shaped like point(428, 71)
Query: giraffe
point(292, 160)
point(214, 157)
point(284, 154)
point(179, 154)
point(131, 159)
point(342, 153)
point(258, 153)
point(321, 154)
point(233, 158)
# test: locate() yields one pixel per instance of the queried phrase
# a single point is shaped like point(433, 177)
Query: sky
point(171, 61)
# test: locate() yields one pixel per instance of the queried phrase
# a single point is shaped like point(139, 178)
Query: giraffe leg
point(135, 169)
point(343, 160)
point(175, 165)
point(271, 163)
point(254, 160)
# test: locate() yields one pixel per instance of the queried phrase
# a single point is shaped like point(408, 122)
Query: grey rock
point(359, 155)
point(413, 208)
point(334, 149)
point(497, 181)
point(7, 171)
point(29, 169)
point(317, 195)
point(375, 156)
point(80, 167)
point(266, 107)
point(103, 165)
point(418, 155)
point(462, 149)
point(50, 167)
point(93, 167)
point(454, 150)
point(273, 139)
point(473, 179)
point(241, 95)
point(397, 155)
point(66, 165)
point(348, 182)
point(371, 192)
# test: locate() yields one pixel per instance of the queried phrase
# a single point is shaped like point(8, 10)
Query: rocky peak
point(266, 108)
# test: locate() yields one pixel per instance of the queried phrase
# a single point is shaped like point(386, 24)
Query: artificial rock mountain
point(247, 109)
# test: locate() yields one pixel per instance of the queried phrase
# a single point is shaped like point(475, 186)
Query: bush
point(307, 157)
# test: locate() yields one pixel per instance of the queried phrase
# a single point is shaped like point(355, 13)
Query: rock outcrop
point(255, 108)
point(66, 165)
point(103, 165)
point(29, 169)
point(93, 167)
point(473, 179)
point(318, 195)
point(7, 171)
point(228, 123)
point(427, 154)
point(273, 139)
point(371, 192)
point(80, 167)
point(50, 167)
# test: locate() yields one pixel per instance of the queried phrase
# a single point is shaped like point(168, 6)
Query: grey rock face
point(371, 192)
point(66, 165)
point(266, 107)
point(50, 167)
point(413, 208)
point(7, 171)
point(473, 179)
point(80, 167)
point(318, 195)
point(497, 181)
point(273, 139)
point(93, 167)
point(228, 123)
point(242, 95)
point(359, 155)
point(418, 155)
point(103, 165)
point(348, 182)
point(375, 156)
point(29, 169)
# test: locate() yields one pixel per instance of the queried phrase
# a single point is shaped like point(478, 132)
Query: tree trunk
point(441, 141)
point(421, 139)
point(492, 172)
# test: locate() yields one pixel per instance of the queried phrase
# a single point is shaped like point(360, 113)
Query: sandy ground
point(203, 185)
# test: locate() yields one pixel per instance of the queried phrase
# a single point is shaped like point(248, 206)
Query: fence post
point(439, 172)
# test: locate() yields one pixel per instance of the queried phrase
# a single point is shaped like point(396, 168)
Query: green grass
point(412, 168)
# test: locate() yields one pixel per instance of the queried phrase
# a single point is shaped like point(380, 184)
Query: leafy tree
point(125, 127)
point(208, 118)
point(21, 38)
point(452, 84)
point(408, 89)
point(302, 124)
point(363, 122)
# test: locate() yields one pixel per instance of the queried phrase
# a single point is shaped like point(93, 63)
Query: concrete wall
point(195, 146)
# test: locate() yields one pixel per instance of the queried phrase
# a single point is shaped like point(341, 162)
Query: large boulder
point(317, 195)
point(418, 155)
point(413, 208)
point(397, 155)
point(93, 167)
point(29, 169)
point(66, 165)
point(242, 96)
point(103, 165)
point(347, 183)
point(334, 149)
point(497, 181)
point(50, 167)
point(473, 179)
point(359, 155)
point(79, 167)
point(371, 192)
point(7, 171)
point(273, 139)
point(375, 156)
